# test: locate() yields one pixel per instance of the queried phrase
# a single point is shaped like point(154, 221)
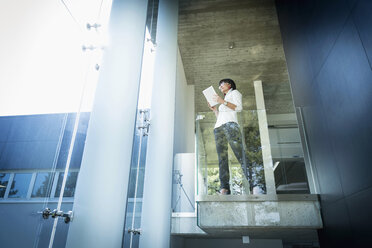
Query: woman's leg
point(223, 162)
point(235, 140)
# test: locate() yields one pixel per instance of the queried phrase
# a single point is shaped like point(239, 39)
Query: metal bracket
point(145, 125)
point(90, 47)
point(199, 117)
point(57, 213)
point(95, 25)
point(134, 231)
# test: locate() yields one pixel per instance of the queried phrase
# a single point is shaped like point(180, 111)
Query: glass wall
point(36, 152)
point(51, 54)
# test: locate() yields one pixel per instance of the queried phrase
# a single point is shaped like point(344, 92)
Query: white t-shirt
point(226, 114)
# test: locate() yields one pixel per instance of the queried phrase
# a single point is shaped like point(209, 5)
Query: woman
point(226, 130)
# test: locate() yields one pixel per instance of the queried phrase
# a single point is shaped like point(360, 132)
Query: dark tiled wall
point(328, 48)
point(33, 141)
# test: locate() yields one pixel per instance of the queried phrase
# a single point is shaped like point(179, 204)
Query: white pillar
point(265, 139)
point(101, 192)
point(156, 208)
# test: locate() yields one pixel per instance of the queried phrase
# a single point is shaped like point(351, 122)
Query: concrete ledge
point(293, 218)
point(262, 211)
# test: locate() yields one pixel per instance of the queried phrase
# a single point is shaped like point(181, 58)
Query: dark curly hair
point(229, 81)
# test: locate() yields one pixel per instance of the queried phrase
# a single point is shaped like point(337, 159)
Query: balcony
point(281, 203)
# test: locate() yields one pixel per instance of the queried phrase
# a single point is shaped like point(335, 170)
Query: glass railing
point(287, 149)
point(264, 156)
point(245, 175)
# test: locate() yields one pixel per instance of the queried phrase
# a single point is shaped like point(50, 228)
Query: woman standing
point(227, 131)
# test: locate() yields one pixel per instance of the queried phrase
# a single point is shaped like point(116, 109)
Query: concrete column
point(156, 208)
point(265, 139)
point(101, 192)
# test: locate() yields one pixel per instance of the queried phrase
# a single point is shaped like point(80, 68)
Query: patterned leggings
point(229, 133)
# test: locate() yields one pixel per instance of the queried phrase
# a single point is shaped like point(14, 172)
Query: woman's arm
point(214, 109)
point(222, 101)
point(237, 99)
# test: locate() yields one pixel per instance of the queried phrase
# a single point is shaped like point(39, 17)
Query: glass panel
point(42, 185)
point(290, 177)
point(4, 179)
point(285, 148)
point(239, 147)
point(287, 153)
point(133, 222)
point(285, 141)
point(20, 185)
point(136, 182)
point(70, 184)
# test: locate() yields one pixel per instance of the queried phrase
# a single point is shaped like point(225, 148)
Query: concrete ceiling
point(206, 27)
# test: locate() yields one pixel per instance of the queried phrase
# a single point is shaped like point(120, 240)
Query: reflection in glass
point(70, 184)
point(20, 185)
point(290, 177)
point(4, 178)
point(288, 157)
point(252, 139)
point(42, 185)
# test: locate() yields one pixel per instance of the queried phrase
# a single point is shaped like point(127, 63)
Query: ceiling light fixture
point(231, 45)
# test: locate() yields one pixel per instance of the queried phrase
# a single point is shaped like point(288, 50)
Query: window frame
point(29, 199)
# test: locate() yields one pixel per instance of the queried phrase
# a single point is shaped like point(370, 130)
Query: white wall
point(184, 141)
point(184, 129)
